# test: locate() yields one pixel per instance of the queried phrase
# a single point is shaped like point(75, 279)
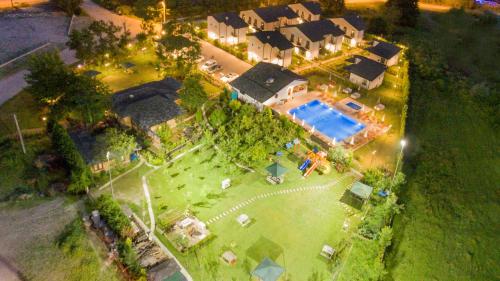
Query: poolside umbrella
point(91, 73)
point(276, 170)
point(268, 270)
point(127, 65)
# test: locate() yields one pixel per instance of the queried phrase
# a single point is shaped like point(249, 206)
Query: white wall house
point(270, 46)
point(353, 27)
point(269, 18)
point(228, 28)
point(385, 53)
point(365, 72)
point(307, 11)
point(310, 37)
point(267, 84)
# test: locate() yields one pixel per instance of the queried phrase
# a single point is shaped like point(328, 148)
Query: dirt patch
point(22, 227)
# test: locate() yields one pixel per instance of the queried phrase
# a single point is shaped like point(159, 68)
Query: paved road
point(228, 62)
point(99, 13)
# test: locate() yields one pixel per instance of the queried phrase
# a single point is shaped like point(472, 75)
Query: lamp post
point(373, 156)
point(403, 144)
point(164, 10)
point(108, 154)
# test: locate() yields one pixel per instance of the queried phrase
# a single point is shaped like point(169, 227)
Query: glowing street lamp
point(403, 144)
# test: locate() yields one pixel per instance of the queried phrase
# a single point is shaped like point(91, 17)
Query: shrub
point(128, 257)
point(64, 145)
point(112, 213)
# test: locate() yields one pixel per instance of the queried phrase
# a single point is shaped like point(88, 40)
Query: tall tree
point(53, 84)
point(47, 78)
point(408, 11)
point(333, 7)
point(178, 49)
point(192, 94)
point(100, 42)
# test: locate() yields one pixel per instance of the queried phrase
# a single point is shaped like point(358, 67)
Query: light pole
point(373, 156)
point(108, 154)
point(403, 144)
point(164, 10)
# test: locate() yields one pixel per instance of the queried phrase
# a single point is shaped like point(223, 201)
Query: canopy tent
point(276, 170)
point(91, 73)
point(268, 270)
point(361, 190)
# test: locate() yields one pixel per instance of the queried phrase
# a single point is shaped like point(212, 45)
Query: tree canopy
point(65, 92)
point(192, 94)
point(100, 42)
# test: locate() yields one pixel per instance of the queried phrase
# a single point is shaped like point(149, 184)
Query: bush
point(153, 158)
point(81, 177)
point(128, 257)
point(112, 213)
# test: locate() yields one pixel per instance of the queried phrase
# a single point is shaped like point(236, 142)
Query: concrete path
point(275, 193)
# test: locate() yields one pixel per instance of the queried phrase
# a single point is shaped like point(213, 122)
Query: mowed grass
point(449, 229)
point(290, 228)
point(29, 114)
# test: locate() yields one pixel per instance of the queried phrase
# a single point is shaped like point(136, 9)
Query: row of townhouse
point(298, 23)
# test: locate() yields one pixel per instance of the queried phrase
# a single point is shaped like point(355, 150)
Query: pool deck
point(373, 129)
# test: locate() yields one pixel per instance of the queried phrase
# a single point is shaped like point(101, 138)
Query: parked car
point(214, 68)
point(229, 77)
point(209, 63)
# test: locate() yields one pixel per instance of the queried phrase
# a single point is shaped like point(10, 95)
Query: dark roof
point(384, 49)
point(355, 20)
point(361, 190)
point(91, 73)
point(264, 80)
point(365, 67)
point(268, 270)
point(128, 65)
point(313, 7)
point(273, 13)
point(231, 19)
point(317, 30)
point(276, 169)
point(85, 143)
point(273, 38)
point(149, 104)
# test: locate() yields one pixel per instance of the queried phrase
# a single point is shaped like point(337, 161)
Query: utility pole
point(20, 134)
point(108, 154)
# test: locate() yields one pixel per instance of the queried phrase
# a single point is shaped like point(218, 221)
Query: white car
point(229, 77)
point(209, 63)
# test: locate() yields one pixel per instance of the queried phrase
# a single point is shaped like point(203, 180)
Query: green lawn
point(290, 228)
point(29, 114)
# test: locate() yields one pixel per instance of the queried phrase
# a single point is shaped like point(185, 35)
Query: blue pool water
point(327, 120)
point(353, 105)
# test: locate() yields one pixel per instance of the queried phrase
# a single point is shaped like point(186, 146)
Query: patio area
point(352, 109)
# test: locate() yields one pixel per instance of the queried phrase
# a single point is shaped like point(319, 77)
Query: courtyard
point(286, 221)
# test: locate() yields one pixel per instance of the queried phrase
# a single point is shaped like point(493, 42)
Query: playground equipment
point(314, 160)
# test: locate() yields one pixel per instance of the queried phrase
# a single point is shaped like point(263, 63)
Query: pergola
point(268, 270)
point(276, 173)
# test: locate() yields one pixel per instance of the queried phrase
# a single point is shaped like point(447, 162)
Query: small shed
point(327, 251)
point(243, 220)
point(268, 270)
point(361, 190)
point(276, 173)
point(229, 257)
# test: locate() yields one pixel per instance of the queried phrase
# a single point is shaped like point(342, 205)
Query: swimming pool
point(327, 120)
point(353, 105)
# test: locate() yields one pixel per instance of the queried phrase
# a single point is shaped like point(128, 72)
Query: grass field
point(290, 228)
point(29, 114)
point(449, 229)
